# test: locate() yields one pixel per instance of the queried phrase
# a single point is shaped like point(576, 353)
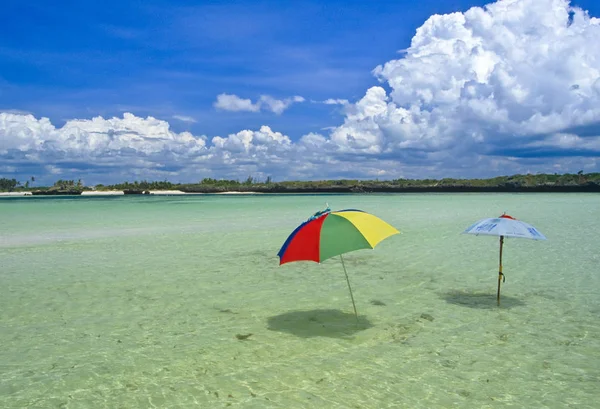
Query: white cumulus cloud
point(492, 80)
point(116, 144)
point(231, 102)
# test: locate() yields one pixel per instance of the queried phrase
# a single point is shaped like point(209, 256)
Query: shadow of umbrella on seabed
point(504, 226)
point(328, 234)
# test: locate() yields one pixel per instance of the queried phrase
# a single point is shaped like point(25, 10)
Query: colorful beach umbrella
point(504, 226)
point(328, 234)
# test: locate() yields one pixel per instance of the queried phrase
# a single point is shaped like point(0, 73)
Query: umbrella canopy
point(504, 226)
point(328, 233)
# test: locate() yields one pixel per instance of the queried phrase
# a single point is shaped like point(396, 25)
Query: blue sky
point(166, 58)
point(170, 60)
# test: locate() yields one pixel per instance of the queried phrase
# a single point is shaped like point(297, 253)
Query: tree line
point(528, 182)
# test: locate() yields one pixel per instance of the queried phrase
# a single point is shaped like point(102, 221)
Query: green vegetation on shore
point(578, 182)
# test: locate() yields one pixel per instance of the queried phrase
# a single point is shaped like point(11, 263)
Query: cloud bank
point(511, 87)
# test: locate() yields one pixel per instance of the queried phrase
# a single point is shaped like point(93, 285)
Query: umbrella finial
point(320, 213)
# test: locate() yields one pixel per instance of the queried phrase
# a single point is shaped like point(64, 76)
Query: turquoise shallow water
point(135, 302)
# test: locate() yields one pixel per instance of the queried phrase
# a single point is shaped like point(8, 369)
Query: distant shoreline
point(539, 183)
point(118, 193)
point(592, 188)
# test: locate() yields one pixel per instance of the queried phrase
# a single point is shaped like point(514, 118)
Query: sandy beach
point(151, 192)
point(102, 193)
point(166, 192)
point(15, 193)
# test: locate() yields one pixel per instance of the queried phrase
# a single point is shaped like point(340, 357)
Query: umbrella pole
point(500, 275)
point(350, 288)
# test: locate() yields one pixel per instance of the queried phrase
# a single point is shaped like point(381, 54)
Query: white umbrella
point(504, 226)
